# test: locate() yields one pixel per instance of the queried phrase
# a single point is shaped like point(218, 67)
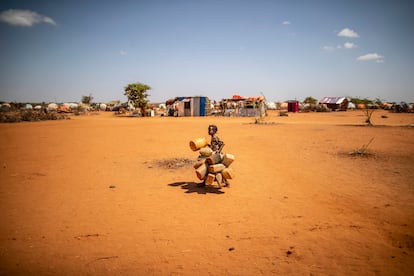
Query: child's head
point(212, 129)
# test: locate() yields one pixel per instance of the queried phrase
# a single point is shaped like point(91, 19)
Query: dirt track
point(88, 196)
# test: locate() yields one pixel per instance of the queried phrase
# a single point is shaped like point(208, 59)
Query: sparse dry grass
point(362, 151)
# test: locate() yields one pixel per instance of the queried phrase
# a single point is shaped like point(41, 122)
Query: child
point(215, 144)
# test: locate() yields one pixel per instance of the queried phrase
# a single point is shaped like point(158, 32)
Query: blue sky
point(62, 50)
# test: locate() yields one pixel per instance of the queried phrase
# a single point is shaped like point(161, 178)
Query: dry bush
point(30, 116)
point(362, 151)
point(368, 114)
point(173, 163)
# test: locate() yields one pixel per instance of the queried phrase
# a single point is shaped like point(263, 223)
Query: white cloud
point(349, 45)
point(328, 48)
point(371, 56)
point(333, 48)
point(286, 23)
point(122, 53)
point(348, 33)
point(24, 18)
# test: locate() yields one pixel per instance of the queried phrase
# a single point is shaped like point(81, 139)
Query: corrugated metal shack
point(335, 103)
point(188, 106)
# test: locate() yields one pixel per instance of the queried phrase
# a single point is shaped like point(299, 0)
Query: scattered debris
point(290, 251)
point(86, 236)
point(103, 258)
point(260, 121)
point(106, 258)
point(172, 163)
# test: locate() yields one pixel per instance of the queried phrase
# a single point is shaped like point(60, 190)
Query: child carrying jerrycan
point(212, 165)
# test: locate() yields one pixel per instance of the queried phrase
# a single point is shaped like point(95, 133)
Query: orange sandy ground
point(299, 205)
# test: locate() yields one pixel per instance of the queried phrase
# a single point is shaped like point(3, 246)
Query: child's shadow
point(193, 187)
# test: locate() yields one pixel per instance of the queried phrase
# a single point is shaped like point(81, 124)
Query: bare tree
point(368, 114)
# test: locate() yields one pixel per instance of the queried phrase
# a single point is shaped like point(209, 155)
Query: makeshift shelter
point(5, 107)
point(188, 106)
point(65, 108)
point(244, 106)
point(335, 103)
point(52, 107)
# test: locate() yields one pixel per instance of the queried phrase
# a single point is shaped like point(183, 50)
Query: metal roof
point(332, 100)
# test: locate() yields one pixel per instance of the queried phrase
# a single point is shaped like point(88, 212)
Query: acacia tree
point(310, 100)
point(87, 99)
point(367, 110)
point(137, 95)
point(365, 101)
